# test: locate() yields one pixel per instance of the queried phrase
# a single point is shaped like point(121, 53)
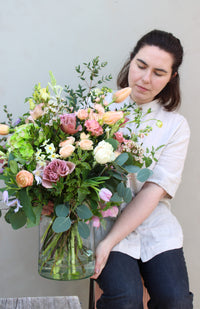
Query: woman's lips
point(143, 89)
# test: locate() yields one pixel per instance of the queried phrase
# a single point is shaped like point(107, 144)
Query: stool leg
point(91, 295)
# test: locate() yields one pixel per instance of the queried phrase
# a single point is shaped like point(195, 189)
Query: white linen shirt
point(160, 231)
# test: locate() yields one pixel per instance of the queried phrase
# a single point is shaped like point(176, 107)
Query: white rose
point(103, 153)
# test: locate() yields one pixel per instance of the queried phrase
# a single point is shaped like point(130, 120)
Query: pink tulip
point(105, 194)
point(96, 221)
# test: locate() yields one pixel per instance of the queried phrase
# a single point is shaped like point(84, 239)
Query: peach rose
point(100, 109)
point(82, 114)
point(84, 136)
point(86, 144)
point(4, 129)
point(24, 179)
point(121, 95)
point(94, 116)
point(69, 141)
point(112, 117)
point(67, 151)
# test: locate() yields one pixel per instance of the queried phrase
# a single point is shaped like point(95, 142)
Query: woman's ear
point(174, 75)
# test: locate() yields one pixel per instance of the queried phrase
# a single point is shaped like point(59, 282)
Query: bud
point(4, 129)
point(121, 95)
point(159, 123)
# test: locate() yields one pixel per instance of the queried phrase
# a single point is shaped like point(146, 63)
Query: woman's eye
point(141, 67)
point(157, 74)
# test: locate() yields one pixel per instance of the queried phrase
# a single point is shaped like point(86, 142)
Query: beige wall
point(42, 35)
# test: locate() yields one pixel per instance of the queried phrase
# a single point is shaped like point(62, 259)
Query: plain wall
point(39, 36)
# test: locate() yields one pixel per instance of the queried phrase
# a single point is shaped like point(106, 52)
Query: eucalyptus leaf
point(121, 189)
point(121, 159)
point(118, 176)
point(127, 195)
point(83, 229)
point(144, 174)
point(62, 210)
point(113, 142)
point(116, 198)
point(131, 168)
point(61, 224)
point(83, 212)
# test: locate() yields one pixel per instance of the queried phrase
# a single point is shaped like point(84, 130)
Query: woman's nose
point(147, 76)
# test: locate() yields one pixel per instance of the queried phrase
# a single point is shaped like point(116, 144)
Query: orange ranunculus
point(24, 179)
point(121, 95)
point(4, 129)
point(112, 117)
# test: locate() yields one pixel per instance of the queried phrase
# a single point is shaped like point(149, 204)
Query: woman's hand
point(102, 252)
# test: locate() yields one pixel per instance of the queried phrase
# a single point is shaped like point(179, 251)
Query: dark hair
point(169, 97)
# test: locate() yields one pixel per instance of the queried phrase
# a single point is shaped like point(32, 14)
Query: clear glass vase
point(65, 256)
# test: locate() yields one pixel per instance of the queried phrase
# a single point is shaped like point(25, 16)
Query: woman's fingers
point(101, 259)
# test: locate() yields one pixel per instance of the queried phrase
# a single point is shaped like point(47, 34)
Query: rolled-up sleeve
point(168, 170)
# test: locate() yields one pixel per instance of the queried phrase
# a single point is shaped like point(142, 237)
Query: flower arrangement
point(67, 160)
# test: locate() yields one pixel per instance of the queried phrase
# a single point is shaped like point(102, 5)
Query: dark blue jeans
point(165, 277)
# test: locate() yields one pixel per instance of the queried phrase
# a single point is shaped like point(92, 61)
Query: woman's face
point(149, 72)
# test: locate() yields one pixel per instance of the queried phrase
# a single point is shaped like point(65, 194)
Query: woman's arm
point(132, 216)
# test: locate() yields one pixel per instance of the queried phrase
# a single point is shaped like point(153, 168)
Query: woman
point(146, 239)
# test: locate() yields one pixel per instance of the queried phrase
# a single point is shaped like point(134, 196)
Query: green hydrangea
point(20, 143)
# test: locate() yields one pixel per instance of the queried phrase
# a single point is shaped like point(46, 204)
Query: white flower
point(53, 156)
point(50, 148)
point(104, 153)
point(45, 142)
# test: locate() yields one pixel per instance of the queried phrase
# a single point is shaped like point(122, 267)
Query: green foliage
point(83, 229)
point(62, 210)
point(83, 212)
point(61, 224)
point(144, 174)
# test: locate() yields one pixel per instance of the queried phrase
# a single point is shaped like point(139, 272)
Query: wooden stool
point(58, 302)
point(98, 292)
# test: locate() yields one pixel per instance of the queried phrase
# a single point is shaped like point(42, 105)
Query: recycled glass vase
point(65, 256)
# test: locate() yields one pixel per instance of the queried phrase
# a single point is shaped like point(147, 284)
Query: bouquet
point(65, 165)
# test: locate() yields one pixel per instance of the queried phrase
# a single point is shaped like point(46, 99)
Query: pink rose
point(105, 194)
point(111, 212)
point(94, 127)
point(68, 124)
point(119, 137)
point(56, 169)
